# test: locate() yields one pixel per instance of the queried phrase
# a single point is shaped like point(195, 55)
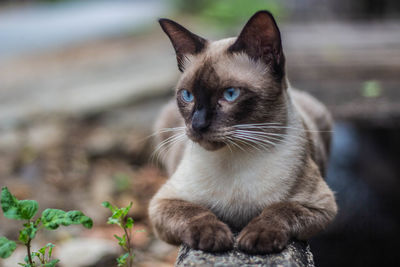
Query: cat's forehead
point(216, 62)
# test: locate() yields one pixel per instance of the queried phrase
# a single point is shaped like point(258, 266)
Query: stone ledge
point(296, 254)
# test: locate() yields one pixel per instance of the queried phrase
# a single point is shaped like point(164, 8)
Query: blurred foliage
point(226, 13)
point(51, 1)
point(371, 89)
point(122, 181)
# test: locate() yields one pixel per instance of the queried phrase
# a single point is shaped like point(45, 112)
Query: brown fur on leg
point(272, 229)
point(309, 209)
point(177, 221)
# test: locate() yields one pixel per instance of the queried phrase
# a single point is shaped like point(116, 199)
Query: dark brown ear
point(184, 41)
point(261, 40)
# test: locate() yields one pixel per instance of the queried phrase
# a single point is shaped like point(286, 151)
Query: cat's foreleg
point(177, 221)
point(271, 231)
point(296, 218)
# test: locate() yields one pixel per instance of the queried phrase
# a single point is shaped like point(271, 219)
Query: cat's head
point(228, 87)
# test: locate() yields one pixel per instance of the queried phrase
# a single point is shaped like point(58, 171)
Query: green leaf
point(7, 247)
point(17, 209)
point(122, 259)
point(29, 232)
point(118, 238)
point(113, 221)
point(26, 259)
point(38, 220)
point(51, 264)
point(129, 223)
point(77, 217)
point(50, 246)
point(42, 250)
point(9, 204)
point(121, 240)
point(28, 208)
point(53, 218)
point(126, 210)
point(35, 254)
point(107, 205)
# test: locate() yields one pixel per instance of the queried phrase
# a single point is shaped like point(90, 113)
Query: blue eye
point(187, 96)
point(231, 94)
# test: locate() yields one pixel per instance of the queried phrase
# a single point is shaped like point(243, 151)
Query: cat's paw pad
point(208, 235)
point(256, 239)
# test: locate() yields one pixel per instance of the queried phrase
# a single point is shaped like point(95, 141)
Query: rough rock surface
point(296, 254)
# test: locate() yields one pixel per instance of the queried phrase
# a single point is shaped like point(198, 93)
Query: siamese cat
point(249, 152)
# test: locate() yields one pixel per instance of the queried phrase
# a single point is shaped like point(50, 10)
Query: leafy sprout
point(51, 219)
point(120, 217)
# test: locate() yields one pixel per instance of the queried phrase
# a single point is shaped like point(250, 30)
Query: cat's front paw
point(259, 237)
point(208, 235)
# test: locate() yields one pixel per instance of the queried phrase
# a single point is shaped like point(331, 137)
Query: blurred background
point(81, 83)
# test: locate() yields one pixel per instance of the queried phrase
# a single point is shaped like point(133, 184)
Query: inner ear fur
point(261, 40)
point(183, 41)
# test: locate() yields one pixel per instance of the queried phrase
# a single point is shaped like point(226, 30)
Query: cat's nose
point(199, 120)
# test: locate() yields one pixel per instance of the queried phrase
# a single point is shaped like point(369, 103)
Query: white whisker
point(247, 142)
point(280, 139)
point(168, 147)
point(165, 143)
point(250, 137)
point(261, 133)
point(235, 144)
point(260, 126)
point(165, 130)
point(273, 136)
point(227, 143)
point(163, 153)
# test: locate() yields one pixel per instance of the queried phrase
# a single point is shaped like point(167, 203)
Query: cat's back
point(318, 124)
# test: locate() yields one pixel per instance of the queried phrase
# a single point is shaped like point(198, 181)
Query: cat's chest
point(233, 185)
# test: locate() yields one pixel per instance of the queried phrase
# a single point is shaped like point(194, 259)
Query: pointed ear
point(261, 40)
point(184, 41)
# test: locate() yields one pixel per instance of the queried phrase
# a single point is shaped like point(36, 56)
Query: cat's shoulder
point(311, 106)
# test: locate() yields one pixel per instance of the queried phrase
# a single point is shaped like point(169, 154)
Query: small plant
point(51, 219)
point(120, 217)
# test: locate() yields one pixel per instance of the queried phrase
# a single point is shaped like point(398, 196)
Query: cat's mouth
point(207, 140)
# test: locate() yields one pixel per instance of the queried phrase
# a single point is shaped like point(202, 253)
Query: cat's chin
point(209, 145)
point(206, 141)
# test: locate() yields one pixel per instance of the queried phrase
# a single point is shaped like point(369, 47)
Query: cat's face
point(230, 85)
